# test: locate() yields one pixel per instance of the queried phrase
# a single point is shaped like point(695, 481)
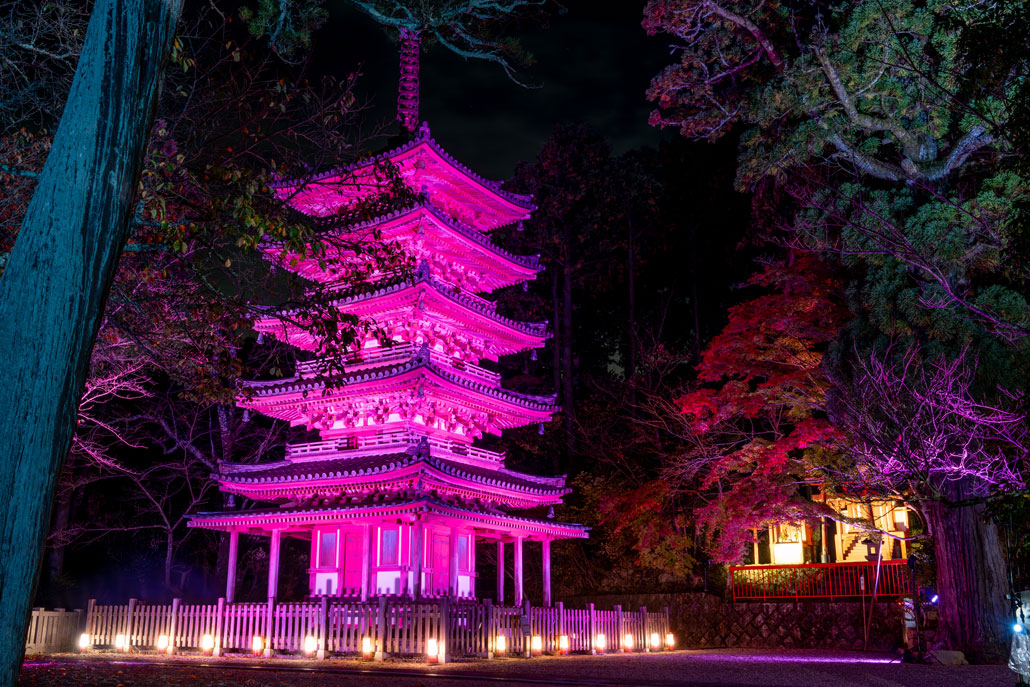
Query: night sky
point(592, 63)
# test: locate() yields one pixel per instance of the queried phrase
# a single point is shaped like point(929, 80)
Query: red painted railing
point(819, 580)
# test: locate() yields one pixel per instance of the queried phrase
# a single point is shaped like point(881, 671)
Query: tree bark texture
point(568, 367)
point(971, 581)
point(53, 289)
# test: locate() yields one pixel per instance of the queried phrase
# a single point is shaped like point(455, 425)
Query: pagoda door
point(352, 563)
point(441, 563)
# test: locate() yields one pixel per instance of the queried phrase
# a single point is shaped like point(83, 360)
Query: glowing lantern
point(536, 645)
point(162, 643)
point(366, 647)
point(121, 643)
point(627, 642)
point(656, 641)
point(600, 643)
point(563, 645)
point(500, 644)
point(257, 645)
point(207, 644)
point(432, 650)
point(84, 642)
point(310, 645)
point(670, 641)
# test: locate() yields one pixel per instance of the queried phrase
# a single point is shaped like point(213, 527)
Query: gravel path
point(709, 668)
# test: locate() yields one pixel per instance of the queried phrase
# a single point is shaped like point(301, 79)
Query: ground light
point(162, 643)
point(121, 643)
point(600, 643)
point(656, 641)
point(670, 641)
point(366, 647)
point(536, 645)
point(84, 642)
point(500, 644)
point(310, 645)
point(207, 644)
point(627, 642)
point(1017, 628)
point(563, 645)
point(432, 651)
point(257, 644)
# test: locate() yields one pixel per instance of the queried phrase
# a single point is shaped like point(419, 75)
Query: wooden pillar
point(273, 564)
point(518, 571)
point(230, 577)
point(500, 573)
point(545, 547)
point(452, 568)
point(417, 537)
point(366, 560)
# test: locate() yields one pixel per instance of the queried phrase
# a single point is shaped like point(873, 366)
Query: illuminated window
point(388, 553)
point(463, 553)
point(327, 550)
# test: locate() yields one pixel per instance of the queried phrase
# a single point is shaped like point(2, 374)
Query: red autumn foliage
point(762, 414)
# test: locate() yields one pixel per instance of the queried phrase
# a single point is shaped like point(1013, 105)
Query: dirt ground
point(709, 668)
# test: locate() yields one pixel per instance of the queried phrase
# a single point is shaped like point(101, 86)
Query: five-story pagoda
point(395, 498)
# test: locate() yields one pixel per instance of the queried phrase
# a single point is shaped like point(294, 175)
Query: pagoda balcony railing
point(820, 580)
point(401, 353)
point(395, 440)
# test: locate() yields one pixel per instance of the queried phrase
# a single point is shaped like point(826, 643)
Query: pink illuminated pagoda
point(395, 498)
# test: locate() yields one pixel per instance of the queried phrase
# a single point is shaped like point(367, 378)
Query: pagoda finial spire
point(407, 89)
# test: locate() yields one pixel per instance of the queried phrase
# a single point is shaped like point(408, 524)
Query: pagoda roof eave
point(402, 284)
point(361, 468)
point(307, 516)
point(265, 389)
point(515, 201)
point(529, 263)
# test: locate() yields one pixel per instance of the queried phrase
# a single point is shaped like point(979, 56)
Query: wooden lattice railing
point(820, 580)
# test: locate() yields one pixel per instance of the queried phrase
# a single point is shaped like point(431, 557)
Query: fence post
point(88, 629)
point(219, 624)
point(381, 630)
point(667, 629)
point(592, 631)
point(129, 622)
point(269, 626)
point(488, 605)
point(561, 625)
point(323, 629)
point(618, 647)
point(645, 629)
point(527, 628)
point(173, 640)
point(445, 629)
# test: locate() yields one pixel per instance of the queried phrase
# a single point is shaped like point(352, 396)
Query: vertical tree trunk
point(55, 552)
point(53, 289)
point(568, 388)
point(693, 293)
point(632, 334)
point(971, 581)
point(169, 559)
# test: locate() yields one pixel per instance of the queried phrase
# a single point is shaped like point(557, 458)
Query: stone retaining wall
point(708, 621)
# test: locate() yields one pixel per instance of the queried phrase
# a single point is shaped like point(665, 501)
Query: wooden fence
point(52, 631)
point(392, 626)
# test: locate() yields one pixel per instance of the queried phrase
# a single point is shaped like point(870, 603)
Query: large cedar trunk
point(971, 581)
point(53, 289)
